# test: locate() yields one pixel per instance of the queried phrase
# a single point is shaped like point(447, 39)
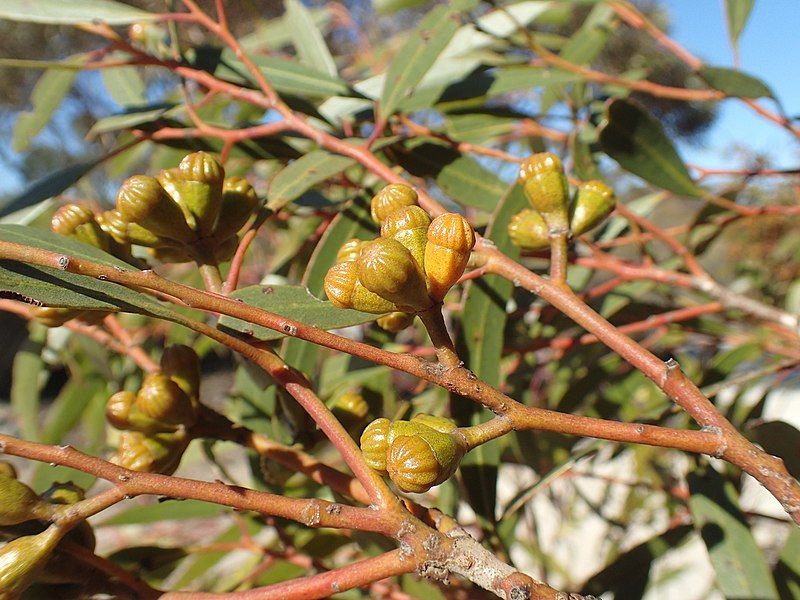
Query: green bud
point(52, 316)
point(239, 200)
point(7, 469)
point(528, 230)
point(390, 198)
point(198, 188)
point(593, 203)
point(181, 364)
point(22, 559)
point(350, 408)
point(142, 201)
point(375, 444)
point(395, 322)
point(160, 398)
point(19, 503)
point(78, 221)
point(159, 453)
point(545, 186)
point(409, 226)
point(387, 268)
point(344, 289)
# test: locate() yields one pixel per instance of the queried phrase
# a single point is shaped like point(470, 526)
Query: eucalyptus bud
point(388, 269)
point(19, 503)
point(593, 203)
point(160, 398)
point(22, 559)
point(545, 186)
point(450, 242)
point(181, 364)
point(78, 221)
point(409, 226)
point(142, 201)
point(344, 290)
point(528, 230)
point(239, 200)
point(395, 322)
point(390, 198)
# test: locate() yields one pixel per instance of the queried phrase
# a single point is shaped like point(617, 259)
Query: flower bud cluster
point(185, 210)
point(155, 420)
point(33, 554)
point(416, 454)
point(409, 268)
point(545, 186)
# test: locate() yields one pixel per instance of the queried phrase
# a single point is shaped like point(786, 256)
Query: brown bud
point(450, 242)
point(390, 198)
point(388, 269)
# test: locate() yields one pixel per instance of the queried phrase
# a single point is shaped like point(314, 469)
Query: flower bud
point(388, 269)
point(239, 200)
point(409, 226)
point(420, 457)
point(593, 203)
point(7, 469)
point(162, 399)
point(125, 233)
point(226, 249)
point(122, 412)
point(350, 408)
point(395, 322)
point(350, 250)
point(450, 242)
point(545, 186)
point(19, 503)
point(196, 186)
point(77, 221)
point(389, 199)
point(142, 201)
point(65, 493)
point(160, 453)
point(22, 559)
point(344, 289)
point(528, 230)
point(442, 424)
point(181, 364)
point(375, 444)
point(51, 316)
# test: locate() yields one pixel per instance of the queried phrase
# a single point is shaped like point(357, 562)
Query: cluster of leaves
point(453, 101)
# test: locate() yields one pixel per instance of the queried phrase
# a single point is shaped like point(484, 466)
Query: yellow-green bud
point(388, 269)
point(7, 469)
point(19, 503)
point(420, 457)
point(390, 198)
point(375, 444)
point(593, 203)
point(395, 321)
point(159, 453)
point(344, 289)
point(442, 424)
point(528, 230)
point(409, 226)
point(122, 412)
point(51, 316)
point(350, 408)
point(22, 559)
point(450, 242)
point(142, 201)
point(545, 186)
point(160, 398)
point(350, 250)
point(78, 221)
point(181, 364)
point(239, 200)
point(199, 188)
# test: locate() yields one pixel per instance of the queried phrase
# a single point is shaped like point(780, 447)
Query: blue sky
point(770, 49)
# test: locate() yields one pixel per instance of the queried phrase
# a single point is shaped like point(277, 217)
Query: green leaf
point(303, 174)
point(294, 302)
point(70, 405)
point(307, 38)
point(47, 94)
point(125, 86)
point(129, 119)
point(477, 128)
point(459, 176)
point(28, 376)
point(353, 222)
point(737, 13)
point(59, 12)
point(286, 76)
point(417, 56)
point(516, 78)
point(787, 571)
point(49, 186)
point(632, 137)
point(735, 83)
point(480, 345)
point(740, 566)
point(384, 7)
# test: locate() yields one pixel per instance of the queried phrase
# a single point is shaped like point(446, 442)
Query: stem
point(558, 257)
point(440, 338)
point(212, 279)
